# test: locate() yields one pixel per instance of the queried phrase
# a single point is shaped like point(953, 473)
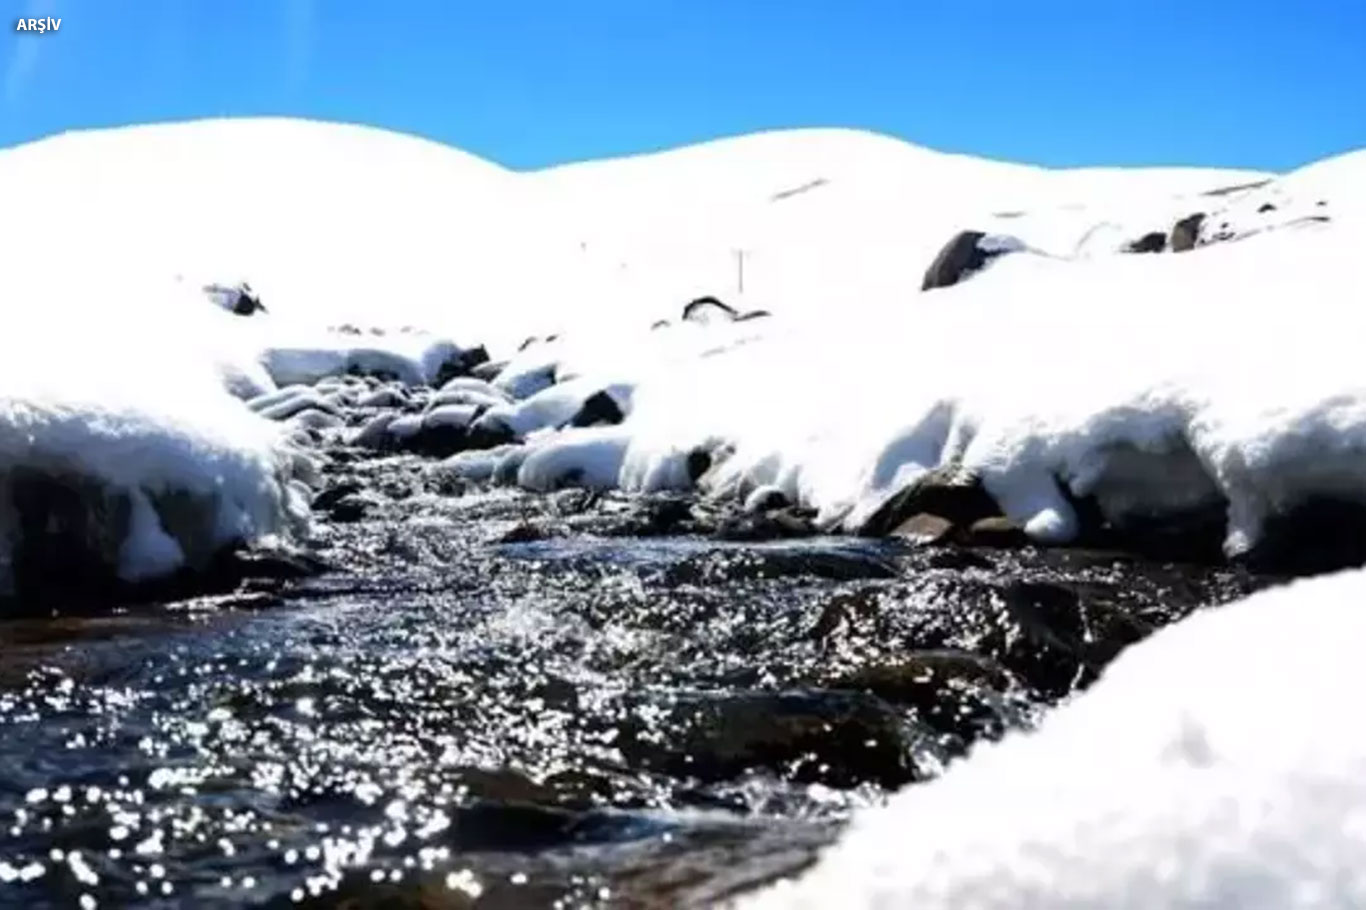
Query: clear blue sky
point(1256, 83)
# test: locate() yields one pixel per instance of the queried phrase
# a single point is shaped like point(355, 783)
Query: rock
point(698, 463)
point(460, 364)
point(375, 434)
point(489, 432)
point(1186, 232)
point(945, 492)
point(783, 559)
point(966, 253)
point(386, 397)
point(776, 524)
point(315, 419)
point(522, 532)
point(66, 535)
point(753, 314)
point(766, 499)
point(956, 692)
point(996, 531)
point(1316, 536)
point(351, 507)
point(1154, 242)
point(708, 309)
point(659, 324)
point(488, 371)
point(526, 382)
point(238, 298)
point(836, 738)
point(1265, 207)
point(599, 408)
point(923, 529)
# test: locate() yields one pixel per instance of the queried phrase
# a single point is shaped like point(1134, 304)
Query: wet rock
point(352, 507)
point(766, 499)
point(777, 524)
point(946, 492)
point(523, 532)
point(956, 692)
point(924, 528)
point(968, 252)
point(996, 531)
point(835, 562)
point(1186, 232)
point(69, 529)
point(1316, 536)
point(834, 738)
point(1153, 242)
point(375, 434)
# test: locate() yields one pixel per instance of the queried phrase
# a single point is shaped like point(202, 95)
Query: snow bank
point(1158, 384)
point(116, 394)
point(1217, 765)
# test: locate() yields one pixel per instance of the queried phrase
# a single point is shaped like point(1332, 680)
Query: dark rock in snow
point(753, 314)
point(236, 298)
point(966, 253)
point(598, 408)
point(1186, 232)
point(945, 492)
point(1316, 536)
point(699, 463)
point(705, 309)
point(1154, 242)
point(1265, 207)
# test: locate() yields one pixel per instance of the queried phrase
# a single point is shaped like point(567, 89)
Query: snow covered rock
point(238, 299)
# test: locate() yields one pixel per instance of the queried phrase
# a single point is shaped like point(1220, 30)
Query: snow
point(1216, 765)
point(125, 388)
point(1156, 382)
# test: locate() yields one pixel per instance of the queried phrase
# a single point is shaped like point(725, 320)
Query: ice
point(1216, 766)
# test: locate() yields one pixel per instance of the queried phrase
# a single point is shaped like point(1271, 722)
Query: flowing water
point(496, 699)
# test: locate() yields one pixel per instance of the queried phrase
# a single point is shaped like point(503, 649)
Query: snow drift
point(119, 439)
point(1217, 765)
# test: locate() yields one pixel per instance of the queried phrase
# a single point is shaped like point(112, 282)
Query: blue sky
point(1255, 83)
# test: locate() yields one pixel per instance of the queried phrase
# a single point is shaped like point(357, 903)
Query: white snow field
point(1155, 382)
point(1219, 765)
